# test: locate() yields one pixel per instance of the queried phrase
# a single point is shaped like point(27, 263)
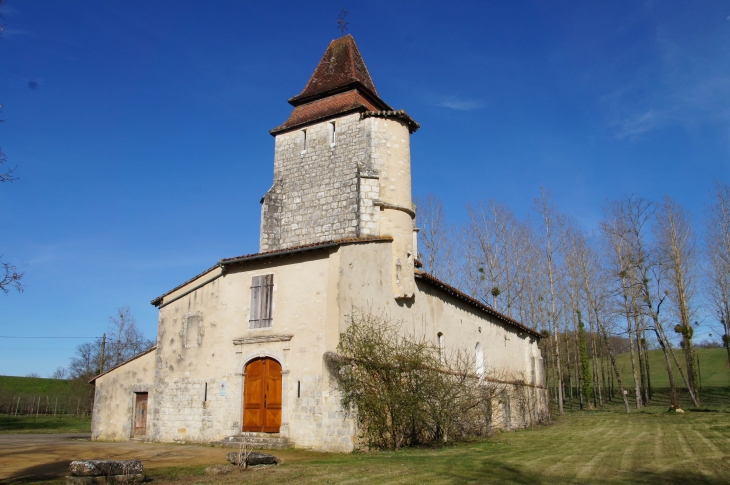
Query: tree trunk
point(673, 401)
point(649, 394)
point(615, 366)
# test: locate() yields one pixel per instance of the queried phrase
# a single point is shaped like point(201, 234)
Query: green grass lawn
point(44, 424)
point(601, 447)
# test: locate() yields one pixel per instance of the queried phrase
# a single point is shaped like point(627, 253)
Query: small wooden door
point(140, 414)
point(262, 396)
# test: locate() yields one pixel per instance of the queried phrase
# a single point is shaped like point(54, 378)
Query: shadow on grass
point(509, 474)
point(673, 477)
point(40, 473)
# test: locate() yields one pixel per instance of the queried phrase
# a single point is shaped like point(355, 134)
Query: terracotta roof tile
point(437, 283)
point(341, 65)
point(321, 109)
point(340, 84)
point(400, 114)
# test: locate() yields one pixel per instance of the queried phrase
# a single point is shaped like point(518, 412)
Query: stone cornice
point(261, 339)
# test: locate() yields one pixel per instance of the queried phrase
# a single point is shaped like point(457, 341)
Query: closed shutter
point(262, 289)
point(256, 285)
point(267, 294)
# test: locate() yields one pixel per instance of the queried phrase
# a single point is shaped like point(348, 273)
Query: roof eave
point(422, 275)
point(283, 129)
point(299, 100)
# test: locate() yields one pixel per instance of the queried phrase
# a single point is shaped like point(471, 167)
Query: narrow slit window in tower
point(332, 133)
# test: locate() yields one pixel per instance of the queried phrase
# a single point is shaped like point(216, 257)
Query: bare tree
point(9, 275)
point(59, 373)
point(649, 276)
point(497, 246)
point(85, 363)
point(126, 339)
point(676, 246)
point(596, 293)
point(124, 342)
point(435, 238)
point(549, 248)
point(717, 244)
point(617, 231)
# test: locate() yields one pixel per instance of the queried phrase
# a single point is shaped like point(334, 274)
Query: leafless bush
point(404, 392)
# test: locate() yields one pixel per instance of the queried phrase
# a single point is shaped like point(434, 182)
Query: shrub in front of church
point(404, 391)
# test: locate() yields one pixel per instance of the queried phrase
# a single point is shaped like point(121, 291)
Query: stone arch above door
point(257, 354)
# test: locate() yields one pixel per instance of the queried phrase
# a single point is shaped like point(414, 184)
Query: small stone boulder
point(137, 478)
point(253, 459)
point(84, 472)
point(99, 468)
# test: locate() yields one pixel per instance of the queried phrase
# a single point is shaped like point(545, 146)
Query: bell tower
point(342, 166)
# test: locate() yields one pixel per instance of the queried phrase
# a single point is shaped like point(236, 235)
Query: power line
point(30, 348)
point(13, 336)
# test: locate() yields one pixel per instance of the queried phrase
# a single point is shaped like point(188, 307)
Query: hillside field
point(37, 386)
point(714, 371)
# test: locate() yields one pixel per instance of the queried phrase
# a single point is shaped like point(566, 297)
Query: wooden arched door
point(262, 396)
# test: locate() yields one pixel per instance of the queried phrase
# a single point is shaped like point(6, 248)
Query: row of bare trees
point(643, 277)
point(122, 341)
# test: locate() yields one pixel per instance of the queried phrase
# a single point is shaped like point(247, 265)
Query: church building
point(240, 347)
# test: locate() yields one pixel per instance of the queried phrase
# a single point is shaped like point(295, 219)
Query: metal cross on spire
point(341, 24)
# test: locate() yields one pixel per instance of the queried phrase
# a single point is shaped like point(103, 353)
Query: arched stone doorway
point(262, 396)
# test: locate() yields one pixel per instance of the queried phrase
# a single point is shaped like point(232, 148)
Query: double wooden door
point(262, 396)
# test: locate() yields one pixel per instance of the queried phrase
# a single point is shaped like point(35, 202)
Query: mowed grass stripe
point(601, 448)
point(627, 457)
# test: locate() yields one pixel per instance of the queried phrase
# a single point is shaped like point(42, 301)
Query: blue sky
point(140, 129)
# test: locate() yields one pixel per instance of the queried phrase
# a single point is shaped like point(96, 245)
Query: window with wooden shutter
point(262, 291)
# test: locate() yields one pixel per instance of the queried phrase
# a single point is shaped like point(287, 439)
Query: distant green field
point(36, 386)
point(44, 424)
point(714, 369)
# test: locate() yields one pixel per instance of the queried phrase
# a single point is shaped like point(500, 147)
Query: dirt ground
point(30, 457)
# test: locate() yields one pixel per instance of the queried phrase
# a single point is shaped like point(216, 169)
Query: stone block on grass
point(253, 459)
point(99, 468)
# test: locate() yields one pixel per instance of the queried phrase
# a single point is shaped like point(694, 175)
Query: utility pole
point(103, 345)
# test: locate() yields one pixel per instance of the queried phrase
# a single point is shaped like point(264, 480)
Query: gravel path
point(25, 457)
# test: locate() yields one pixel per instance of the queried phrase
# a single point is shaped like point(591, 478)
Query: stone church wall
point(205, 340)
point(315, 192)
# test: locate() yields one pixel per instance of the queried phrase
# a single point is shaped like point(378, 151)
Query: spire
point(340, 84)
point(341, 67)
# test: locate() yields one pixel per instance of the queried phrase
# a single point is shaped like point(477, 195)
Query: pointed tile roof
point(341, 67)
point(340, 84)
